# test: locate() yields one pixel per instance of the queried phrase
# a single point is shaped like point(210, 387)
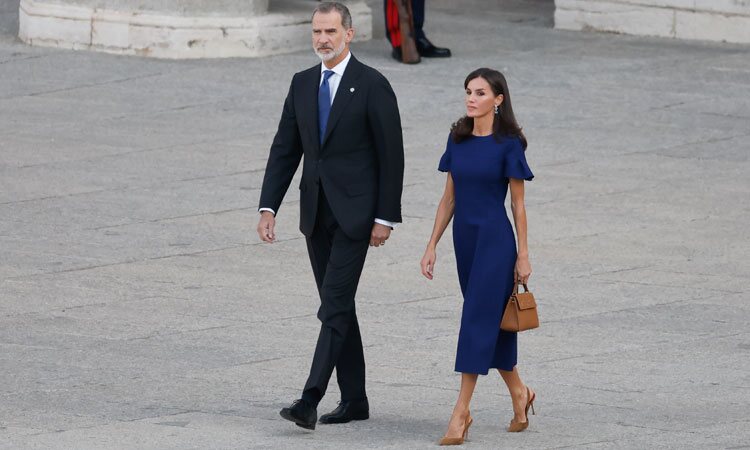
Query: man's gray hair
point(326, 7)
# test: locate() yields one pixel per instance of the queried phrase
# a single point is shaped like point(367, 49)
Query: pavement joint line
point(56, 197)
point(614, 391)
point(127, 188)
point(585, 443)
point(65, 309)
point(710, 275)
point(672, 105)
point(643, 283)
point(581, 236)
point(157, 258)
point(176, 333)
point(65, 430)
point(283, 319)
point(222, 175)
point(560, 163)
point(578, 198)
point(666, 430)
point(40, 347)
point(401, 385)
point(411, 301)
point(85, 86)
point(604, 405)
point(732, 116)
point(159, 111)
point(11, 60)
point(612, 311)
point(162, 219)
point(258, 361)
point(656, 151)
point(625, 269)
point(179, 411)
point(120, 154)
point(568, 358)
point(688, 157)
point(643, 347)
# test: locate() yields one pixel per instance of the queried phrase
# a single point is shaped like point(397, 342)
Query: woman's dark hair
point(505, 123)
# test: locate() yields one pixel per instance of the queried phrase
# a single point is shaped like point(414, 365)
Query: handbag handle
point(515, 287)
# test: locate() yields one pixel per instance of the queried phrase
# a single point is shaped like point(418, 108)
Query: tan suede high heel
point(458, 440)
point(516, 427)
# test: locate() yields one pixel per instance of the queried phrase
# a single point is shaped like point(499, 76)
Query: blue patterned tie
point(324, 104)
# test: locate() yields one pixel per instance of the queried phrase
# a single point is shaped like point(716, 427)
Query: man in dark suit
point(342, 116)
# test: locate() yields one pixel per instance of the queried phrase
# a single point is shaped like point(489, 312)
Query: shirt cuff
point(267, 209)
point(386, 223)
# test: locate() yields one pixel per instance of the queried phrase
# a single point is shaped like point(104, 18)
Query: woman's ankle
point(461, 411)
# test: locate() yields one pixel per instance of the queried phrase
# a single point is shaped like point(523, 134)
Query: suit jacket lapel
point(311, 98)
point(346, 90)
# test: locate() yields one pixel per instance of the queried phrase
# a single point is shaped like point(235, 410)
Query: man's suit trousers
point(337, 263)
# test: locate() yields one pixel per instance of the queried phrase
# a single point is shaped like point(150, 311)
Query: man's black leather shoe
point(428, 50)
point(301, 413)
point(347, 411)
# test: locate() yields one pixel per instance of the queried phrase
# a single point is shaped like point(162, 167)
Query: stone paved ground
point(139, 310)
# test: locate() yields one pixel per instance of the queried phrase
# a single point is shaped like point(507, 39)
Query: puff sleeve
point(445, 160)
point(515, 165)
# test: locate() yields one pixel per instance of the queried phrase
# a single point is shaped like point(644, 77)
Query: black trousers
point(337, 263)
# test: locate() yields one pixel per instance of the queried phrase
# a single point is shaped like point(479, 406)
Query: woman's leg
point(518, 393)
point(461, 410)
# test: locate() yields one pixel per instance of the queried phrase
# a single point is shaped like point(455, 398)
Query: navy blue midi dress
point(485, 245)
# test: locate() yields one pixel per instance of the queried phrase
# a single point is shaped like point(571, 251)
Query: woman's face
point(480, 100)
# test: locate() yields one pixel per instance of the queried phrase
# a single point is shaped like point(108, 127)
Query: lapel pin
point(351, 89)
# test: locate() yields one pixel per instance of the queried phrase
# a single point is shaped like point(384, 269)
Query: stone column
point(711, 20)
point(177, 28)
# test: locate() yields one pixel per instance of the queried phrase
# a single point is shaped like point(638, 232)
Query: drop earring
point(497, 109)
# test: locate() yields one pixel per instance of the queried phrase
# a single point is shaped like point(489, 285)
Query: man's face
point(329, 38)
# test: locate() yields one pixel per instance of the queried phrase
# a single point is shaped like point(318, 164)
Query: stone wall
point(712, 20)
point(8, 18)
point(177, 28)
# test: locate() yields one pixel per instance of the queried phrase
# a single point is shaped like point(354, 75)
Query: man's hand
point(380, 234)
point(265, 227)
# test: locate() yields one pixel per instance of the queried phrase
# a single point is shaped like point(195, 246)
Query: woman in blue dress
point(484, 156)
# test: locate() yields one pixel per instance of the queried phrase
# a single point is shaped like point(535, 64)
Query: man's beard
point(332, 55)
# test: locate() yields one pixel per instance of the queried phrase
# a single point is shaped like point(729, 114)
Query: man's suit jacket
point(360, 164)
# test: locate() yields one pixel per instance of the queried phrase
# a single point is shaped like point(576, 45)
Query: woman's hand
point(523, 269)
point(428, 262)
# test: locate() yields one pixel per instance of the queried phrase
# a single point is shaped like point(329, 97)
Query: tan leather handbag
point(520, 312)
